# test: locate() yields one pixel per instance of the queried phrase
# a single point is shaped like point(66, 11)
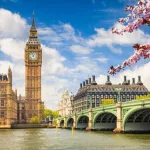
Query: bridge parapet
point(121, 110)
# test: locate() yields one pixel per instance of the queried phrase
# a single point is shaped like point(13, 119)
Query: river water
point(49, 139)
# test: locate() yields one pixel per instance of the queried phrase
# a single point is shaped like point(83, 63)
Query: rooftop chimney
point(86, 82)
point(108, 81)
point(80, 85)
point(19, 96)
point(93, 77)
point(139, 81)
point(94, 82)
point(133, 80)
point(125, 81)
point(128, 82)
point(83, 83)
point(89, 80)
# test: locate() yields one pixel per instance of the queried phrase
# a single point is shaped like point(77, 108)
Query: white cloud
point(52, 89)
point(45, 31)
point(12, 25)
point(59, 33)
point(4, 65)
point(13, 47)
point(106, 37)
point(53, 61)
point(81, 49)
point(102, 59)
point(85, 67)
point(114, 49)
point(13, 44)
point(56, 76)
point(48, 34)
point(142, 71)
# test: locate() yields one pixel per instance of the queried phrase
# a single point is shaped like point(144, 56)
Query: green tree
point(34, 120)
point(55, 114)
point(47, 112)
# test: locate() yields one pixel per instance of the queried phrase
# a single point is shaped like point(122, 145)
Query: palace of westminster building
point(17, 109)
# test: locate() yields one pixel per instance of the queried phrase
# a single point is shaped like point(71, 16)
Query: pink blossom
point(139, 15)
point(140, 51)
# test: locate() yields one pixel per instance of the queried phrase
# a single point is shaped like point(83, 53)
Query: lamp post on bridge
point(118, 91)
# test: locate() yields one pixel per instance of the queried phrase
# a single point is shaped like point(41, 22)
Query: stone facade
point(8, 101)
point(65, 105)
point(90, 94)
point(21, 109)
point(33, 64)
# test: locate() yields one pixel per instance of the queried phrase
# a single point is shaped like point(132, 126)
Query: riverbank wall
point(26, 126)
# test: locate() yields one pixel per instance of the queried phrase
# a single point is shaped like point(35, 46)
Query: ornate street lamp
point(118, 91)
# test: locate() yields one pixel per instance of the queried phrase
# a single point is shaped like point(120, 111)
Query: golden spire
point(33, 28)
point(33, 23)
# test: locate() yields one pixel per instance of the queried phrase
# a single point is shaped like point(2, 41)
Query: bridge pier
point(74, 120)
point(89, 128)
point(65, 122)
point(58, 123)
point(119, 128)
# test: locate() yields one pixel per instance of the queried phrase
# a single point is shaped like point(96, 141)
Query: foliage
point(34, 120)
point(139, 15)
point(48, 112)
point(55, 114)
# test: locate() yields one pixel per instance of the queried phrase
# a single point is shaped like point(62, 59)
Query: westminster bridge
point(122, 116)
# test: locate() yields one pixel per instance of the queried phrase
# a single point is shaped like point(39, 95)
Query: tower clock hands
point(33, 56)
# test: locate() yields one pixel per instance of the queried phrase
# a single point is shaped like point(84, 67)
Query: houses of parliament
point(15, 108)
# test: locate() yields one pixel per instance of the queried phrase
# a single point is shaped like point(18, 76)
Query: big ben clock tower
point(33, 64)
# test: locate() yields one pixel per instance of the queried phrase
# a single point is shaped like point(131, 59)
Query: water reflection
point(49, 139)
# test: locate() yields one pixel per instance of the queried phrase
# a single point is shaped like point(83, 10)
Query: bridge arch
point(105, 121)
point(137, 119)
point(82, 122)
point(62, 123)
point(70, 122)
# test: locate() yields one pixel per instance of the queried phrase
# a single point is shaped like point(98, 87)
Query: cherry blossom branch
point(140, 51)
point(140, 15)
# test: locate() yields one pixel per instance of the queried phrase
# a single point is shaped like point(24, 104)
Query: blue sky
point(76, 39)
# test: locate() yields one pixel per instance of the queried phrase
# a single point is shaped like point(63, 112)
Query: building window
point(93, 100)
point(2, 114)
point(30, 115)
point(98, 100)
point(22, 116)
point(23, 107)
point(2, 102)
point(2, 88)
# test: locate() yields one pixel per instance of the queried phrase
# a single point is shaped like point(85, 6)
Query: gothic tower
point(33, 64)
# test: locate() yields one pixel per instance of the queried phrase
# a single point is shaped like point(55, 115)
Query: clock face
point(33, 56)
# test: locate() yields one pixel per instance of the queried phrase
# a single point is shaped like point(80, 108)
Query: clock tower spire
point(33, 64)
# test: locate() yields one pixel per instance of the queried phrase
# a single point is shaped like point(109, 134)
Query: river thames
point(49, 139)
